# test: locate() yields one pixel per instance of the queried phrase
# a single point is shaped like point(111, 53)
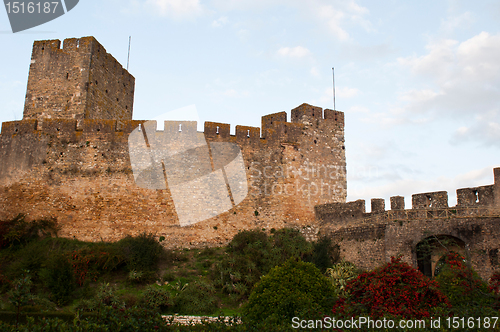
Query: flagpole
point(333, 74)
point(128, 56)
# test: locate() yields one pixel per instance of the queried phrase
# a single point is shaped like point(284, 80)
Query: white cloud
point(220, 22)
point(463, 82)
point(408, 185)
point(346, 92)
point(335, 15)
point(358, 109)
point(245, 5)
point(177, 9)
point(486, 129)
point(436, 63)
point(342, 92)
point(314, 72)
point(235, 94)
point(462, 21)
point(297, 52)
point(419, 95)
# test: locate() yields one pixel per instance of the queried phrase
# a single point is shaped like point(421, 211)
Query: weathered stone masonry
point(68, 158)
point(369, 239)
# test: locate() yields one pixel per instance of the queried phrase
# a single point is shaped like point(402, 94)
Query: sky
point(418, 81)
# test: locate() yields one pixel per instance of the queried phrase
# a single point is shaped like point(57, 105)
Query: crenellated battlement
point(476, 201)
point(275, 128)
point(78, 81)
point(71, 157)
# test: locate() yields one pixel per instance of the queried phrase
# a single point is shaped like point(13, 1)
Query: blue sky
point(418, 81)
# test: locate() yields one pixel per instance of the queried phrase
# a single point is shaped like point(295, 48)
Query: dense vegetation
point(49, 283)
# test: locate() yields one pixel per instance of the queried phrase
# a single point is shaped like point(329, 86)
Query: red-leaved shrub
point(394, 289)
point(494, 283)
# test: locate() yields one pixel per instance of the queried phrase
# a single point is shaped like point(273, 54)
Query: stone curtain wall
point(79, 171)
point(68, 158)
point(370, 239)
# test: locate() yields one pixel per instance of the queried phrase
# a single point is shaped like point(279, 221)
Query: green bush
point(340, 274)
point(156, 298)
point(395, 289)
point(324, 253)
point(251, 254)
point(464, 288)
point(287, 243)
point(19, 231)
point(246, 259)
point(141, 253)
point(288, 291)
point(59, 279)
point(196, 298)
point(31, 257)
point(105, 297)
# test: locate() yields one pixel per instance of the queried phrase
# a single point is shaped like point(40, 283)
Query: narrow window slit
point(180, 127)
point(217, 130)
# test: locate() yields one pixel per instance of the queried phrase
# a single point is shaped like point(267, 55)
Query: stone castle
point(70, 158)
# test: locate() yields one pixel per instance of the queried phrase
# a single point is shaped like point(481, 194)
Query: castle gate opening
point(432, 250)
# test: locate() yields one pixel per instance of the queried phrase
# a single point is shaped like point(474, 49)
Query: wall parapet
point(475, 201)
point(275, 128)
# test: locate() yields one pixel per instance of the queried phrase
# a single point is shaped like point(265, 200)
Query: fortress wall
point(370, 239)
point(79, 171)
point(474, 200)
point(438, 199)
point(111, 87)
point(56, 82)
point(496, 190)
point(79, 80)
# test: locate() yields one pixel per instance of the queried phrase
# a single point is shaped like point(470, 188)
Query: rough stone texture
point(370, 239)
point(79, 81)
point(378, 205)
point(69, 158)
point(437, 199)
point(397, 203)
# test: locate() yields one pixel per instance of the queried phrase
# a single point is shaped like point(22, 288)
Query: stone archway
point(430, 251)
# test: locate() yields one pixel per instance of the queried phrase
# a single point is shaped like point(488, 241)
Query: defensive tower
point(78, 81)
point(70, 158)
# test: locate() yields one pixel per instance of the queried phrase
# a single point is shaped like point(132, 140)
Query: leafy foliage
point(494, 283)
point(156, 298)
point(461, 284)
point(19, 231)
point(142, 252)
point(394, 289)
point(340, 274)
point(58, 277)
point(105, 297)
point(287, 291)
point(20, 295)
point(196, 298)
point(251, 254)
point(324, 253)
point(89, 263)
point(287, 243)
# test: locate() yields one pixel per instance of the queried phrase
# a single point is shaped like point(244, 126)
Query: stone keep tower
point(69, 158)
point(79, 81)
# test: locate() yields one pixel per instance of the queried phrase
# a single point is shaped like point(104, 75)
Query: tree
point(289, 290)
point(394, 289)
